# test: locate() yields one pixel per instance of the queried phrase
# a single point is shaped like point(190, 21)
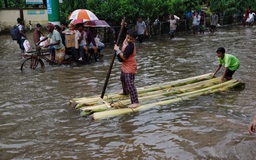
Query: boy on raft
point(231, 64)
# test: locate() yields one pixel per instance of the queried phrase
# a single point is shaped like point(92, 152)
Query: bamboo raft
point(151, 96)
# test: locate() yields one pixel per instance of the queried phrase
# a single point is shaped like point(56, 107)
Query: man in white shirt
point(141, 29)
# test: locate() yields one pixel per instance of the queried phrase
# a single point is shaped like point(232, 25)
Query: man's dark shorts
point(213, 27)
point(229, 73)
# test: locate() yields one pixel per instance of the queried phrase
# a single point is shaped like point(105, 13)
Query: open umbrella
point(96, 23)
point(78, 21)
point(84, 14)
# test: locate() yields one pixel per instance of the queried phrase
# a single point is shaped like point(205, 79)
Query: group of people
point(85, 40)
point(198, 22)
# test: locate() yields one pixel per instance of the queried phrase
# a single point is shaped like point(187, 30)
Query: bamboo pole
point(220, 87)
point(113, 59)
point(182, 81)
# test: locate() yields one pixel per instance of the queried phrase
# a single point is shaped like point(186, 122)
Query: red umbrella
point(96, 23)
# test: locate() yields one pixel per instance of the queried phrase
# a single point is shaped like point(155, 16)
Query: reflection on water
point(37, 123)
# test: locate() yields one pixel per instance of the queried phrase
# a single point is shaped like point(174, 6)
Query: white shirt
point(78, 36)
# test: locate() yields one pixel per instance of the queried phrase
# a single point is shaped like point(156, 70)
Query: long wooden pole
point(113, 59)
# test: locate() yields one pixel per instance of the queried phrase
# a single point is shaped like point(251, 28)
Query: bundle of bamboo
point(152, 96)
point(90, 101)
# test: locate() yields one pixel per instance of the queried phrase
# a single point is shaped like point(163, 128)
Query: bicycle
point(36, 58)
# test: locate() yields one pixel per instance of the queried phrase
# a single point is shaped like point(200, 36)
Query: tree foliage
point(114, 11)
point(232, 6)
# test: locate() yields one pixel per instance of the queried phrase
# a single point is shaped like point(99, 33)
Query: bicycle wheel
point(31, 63)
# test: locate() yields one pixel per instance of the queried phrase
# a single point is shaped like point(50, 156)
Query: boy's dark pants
point(127, 80)
point(229, 74)
point(141, 38)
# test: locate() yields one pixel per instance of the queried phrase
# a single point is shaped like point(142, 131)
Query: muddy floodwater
point(36, 123)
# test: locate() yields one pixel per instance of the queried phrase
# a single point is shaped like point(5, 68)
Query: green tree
point(114, 10)
point(232, 6)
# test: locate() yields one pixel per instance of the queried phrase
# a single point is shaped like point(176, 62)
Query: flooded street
point(37, 123)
